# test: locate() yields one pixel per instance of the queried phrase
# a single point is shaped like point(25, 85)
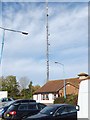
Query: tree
point(35, 88)
point(32, 88)
point(28, 92)
point(11, 85)
point(0, 83)
point(23, 81)
point(25, 93)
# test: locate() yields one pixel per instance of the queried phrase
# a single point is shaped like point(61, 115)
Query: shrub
point(70, 99)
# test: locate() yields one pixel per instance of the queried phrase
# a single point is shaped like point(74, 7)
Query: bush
point(59, 100)
point(70, 99)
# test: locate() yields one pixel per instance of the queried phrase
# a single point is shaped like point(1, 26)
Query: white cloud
point(70, 70)
point(26, 55)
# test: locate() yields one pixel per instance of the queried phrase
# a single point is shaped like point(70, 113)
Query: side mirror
point(77, 107)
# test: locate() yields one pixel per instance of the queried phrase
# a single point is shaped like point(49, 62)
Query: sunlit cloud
point(26, 55)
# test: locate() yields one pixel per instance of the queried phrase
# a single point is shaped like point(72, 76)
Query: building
point(55, 88)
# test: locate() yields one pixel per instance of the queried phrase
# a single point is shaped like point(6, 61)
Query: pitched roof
point(51, 86)
point(55, 85)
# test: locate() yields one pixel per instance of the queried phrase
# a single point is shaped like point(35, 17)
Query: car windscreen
point(12, 107)
point(9, 103)
point(48, 110)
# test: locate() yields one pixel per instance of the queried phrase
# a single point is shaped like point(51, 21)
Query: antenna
point(47, 41)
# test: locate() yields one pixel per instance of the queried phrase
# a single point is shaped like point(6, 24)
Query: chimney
point(83, 76)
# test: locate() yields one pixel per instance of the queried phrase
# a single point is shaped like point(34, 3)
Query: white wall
point(3, 94)
point(39, 99)
point(83, 97)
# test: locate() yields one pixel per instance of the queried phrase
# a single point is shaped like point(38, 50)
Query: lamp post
point(6, 29)
point(64, 79)
point(22, 32)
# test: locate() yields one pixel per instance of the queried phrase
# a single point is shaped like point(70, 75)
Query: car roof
point(25, 100)
point(19, 101)
point(59, 105)
point(28, 103)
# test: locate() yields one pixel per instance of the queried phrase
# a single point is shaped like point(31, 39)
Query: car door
point(61, 113)
point(27, 109)
point(66, 113)
point(32, 109)
point(72, 112)
point(22, 110)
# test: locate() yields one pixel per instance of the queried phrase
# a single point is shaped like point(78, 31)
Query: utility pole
point(64, 78)
point(47, 41)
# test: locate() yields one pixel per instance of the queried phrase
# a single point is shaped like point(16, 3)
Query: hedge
point(70, 99)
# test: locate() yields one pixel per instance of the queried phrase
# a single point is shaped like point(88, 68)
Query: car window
point(65, 110)
point(71, 109)
point(61, 111)
point(49, 110)
point(8, 103)
point(32, 106)
point(23, 107)
point(11, 107)
point(41, 106)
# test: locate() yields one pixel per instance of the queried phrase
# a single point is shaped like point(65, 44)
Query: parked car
point(8, 104)
point(2, 110)
point(56, 112)
point(19, 111)
point(4, 101)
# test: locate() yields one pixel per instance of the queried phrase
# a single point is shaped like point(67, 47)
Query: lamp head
point(25, 33)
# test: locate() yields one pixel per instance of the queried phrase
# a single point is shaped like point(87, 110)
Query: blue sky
point(26, 55)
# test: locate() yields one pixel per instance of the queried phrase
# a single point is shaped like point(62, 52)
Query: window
point(49, 110)
point(45, 97)
point(54, 96)
point(41, 106)
point(37, 97)
point(32, 106)
point(65, 110)
point(11, 107)
point(23, 107)
point(71, 109)
point(62, 110)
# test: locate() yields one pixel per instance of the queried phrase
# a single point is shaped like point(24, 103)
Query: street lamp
point(64, 79)
point(6, 29)
point(22, 32)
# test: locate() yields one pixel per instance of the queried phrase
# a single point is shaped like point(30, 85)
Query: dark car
point(56, 112)
point(19, 111)
point(6, 99)
point(2, 110)
point(8, 104)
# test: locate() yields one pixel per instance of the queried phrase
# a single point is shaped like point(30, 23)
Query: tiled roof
point(55, 85)
point(51, 86)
